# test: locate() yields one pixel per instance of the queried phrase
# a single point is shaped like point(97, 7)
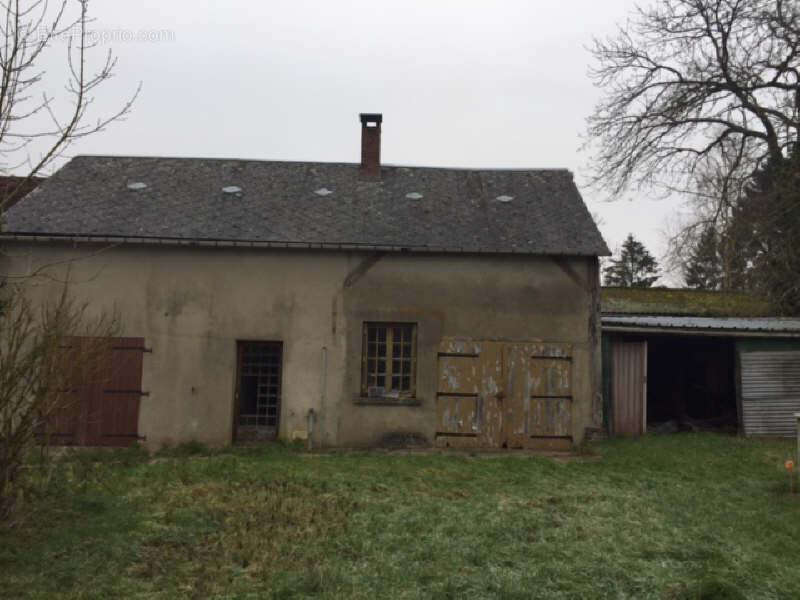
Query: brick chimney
point(371, 145)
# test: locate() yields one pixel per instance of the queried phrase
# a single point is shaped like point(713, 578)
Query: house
point(347, 304)
point(692, 359)
point(13, 189)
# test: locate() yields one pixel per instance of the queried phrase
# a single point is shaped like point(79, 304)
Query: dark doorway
point(258, 391)
point(691, 384)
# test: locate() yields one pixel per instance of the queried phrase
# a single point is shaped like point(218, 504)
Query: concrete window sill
point(386, 401)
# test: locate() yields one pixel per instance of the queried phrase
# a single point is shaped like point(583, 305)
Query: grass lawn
point(683, 516)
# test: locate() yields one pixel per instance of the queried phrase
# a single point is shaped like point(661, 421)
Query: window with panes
point(389, 360)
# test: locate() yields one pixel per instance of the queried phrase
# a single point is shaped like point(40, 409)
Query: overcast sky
point(499, 83)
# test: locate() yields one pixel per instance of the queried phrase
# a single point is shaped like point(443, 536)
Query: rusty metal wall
point(770, 390)
point(629, 386)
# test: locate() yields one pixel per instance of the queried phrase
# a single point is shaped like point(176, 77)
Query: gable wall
point(191, 305)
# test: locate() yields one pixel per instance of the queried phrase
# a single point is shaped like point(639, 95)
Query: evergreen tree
point(635, 266)
point(703, 269)
point(766, 229)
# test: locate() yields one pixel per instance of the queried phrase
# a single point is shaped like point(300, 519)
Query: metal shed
point(673, 372)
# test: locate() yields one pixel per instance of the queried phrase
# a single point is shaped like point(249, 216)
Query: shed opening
point(691, 384)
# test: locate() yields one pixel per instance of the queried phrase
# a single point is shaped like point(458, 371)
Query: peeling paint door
point(539, 412)
point(468, 409)
point(504, 395)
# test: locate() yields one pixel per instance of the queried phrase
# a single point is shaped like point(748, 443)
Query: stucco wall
point(192, 305)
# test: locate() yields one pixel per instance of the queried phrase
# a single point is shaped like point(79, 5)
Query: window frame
point(389, 394)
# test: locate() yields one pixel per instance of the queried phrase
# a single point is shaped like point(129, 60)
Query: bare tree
point(720, 185)
point(687, 80)
point(36, 125)
point(36, 128)
point(40, 364)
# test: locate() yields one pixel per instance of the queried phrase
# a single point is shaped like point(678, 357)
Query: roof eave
point(707, 332)
point(277, 244)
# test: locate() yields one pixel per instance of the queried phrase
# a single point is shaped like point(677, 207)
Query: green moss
point(668, 301)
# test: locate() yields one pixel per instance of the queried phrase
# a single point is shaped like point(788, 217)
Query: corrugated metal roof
point(765, 325)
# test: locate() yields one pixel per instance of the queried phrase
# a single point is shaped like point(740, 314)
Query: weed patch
point(216, 533)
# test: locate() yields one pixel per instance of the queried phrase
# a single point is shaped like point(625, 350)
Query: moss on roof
point(668, 301)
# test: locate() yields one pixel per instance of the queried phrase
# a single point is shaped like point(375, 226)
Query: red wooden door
point(63, 419)
point(113, 399)
point(101, 408)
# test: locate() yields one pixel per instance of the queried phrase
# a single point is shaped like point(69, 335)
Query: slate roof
point(459, 210)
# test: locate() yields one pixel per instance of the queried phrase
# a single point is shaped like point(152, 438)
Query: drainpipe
point(310, 426)
point(323, 388)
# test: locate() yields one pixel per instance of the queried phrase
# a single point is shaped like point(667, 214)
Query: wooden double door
point(100, 407)
point(504, 395)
